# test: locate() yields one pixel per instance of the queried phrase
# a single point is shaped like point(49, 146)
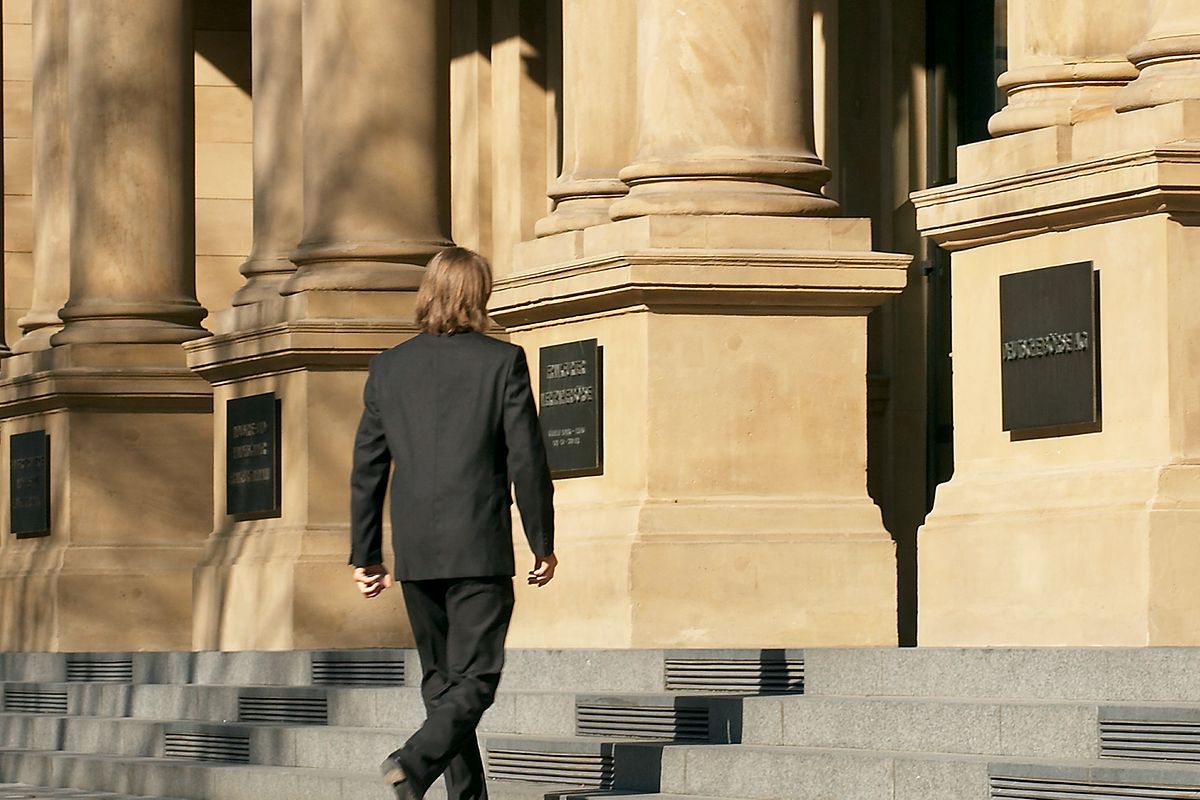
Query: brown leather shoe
point(395, 775)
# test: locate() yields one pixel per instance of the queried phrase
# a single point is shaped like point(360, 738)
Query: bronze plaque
point(1049, 347)
point(572, 408)
point(29, 483)
point(252, 457)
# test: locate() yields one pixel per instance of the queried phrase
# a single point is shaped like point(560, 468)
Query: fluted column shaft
point(278, 148)
point(1066, 60)
point(133, 271)
point(1168, 57)
point(376, 143)
point(599, 112)
point(51, 178)
point(724, 111)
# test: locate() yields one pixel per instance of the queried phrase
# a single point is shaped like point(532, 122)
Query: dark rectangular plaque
point(1049, 347)
point(252, 457)
point(29, 483)
point(572, 403)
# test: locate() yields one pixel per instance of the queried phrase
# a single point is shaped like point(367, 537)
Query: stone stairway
point(923, 724)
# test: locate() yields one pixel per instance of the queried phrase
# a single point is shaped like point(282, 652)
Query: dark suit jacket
point(455, 414)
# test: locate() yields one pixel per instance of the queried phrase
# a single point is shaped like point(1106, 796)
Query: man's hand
point(372, 580)
point(543, 570)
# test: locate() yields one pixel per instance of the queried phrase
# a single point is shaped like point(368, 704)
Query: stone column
point(724, 111)
point(1066, 60)
point(132, 184)
point(278, 149)
point(51, 185)
point(1168, 58)
point(376, 143)
point(598, 116)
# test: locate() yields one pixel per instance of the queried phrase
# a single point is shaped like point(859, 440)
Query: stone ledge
point(683, 281)
point(1064, 197)
point(289, 346)
point(133, 378)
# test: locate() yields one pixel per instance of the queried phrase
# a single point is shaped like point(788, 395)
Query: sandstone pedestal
point(375, 208)
point(128, 438)
point(282, 583)
point(732, 510)
point(1092, 538)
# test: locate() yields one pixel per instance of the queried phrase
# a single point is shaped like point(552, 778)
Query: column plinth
point(376, 145)
point(375, 209)
point(1074, 535)
point(684, 308)
point(128, 426)
point(724, 112)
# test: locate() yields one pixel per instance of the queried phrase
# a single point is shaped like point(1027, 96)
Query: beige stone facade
point(718, 193)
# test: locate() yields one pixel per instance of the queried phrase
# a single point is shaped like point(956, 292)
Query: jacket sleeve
point(368, 482)
point(527, 467)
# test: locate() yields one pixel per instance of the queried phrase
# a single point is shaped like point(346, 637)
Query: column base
point(367, 266)
point(1060, 94)
point(265, 278)
point(725, 494)
point(36, 339)
point(1103, 557)
point(130, 471)
point(1169, 72)
point(130, 323)
point(283, 583)
point(265, 586)
point(751, 186)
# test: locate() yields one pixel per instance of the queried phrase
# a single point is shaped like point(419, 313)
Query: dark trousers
point(459, 626)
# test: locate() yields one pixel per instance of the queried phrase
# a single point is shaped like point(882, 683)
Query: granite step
point(359, 707)
point(1036, 729)
point(22, 791)
point(598, 762)
point(166, 778)
point(1097, 674)
point(732, 670)
point(761, 772)
point(657, 715)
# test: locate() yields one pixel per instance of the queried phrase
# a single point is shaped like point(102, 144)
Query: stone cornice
point(124, 378)
point(701, 281)
point(313, 344)
point(1158, 180)
point(127, 390)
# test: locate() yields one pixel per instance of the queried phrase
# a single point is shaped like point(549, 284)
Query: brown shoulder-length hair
point(454, 292)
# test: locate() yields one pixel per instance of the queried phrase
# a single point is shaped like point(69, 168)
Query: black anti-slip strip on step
point(282, 707)
point(35, 701)
point(592, 770)
point(1039, 789)
point(750, 676)
point(199, 746)
point(329, 670)
point(642, 722)
point(1154, 740)
point(90, 669)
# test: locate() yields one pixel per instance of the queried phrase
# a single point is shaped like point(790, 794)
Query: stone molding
point(92, 377)
point(287, 346)
point(1104, 189)
point(700, 264)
